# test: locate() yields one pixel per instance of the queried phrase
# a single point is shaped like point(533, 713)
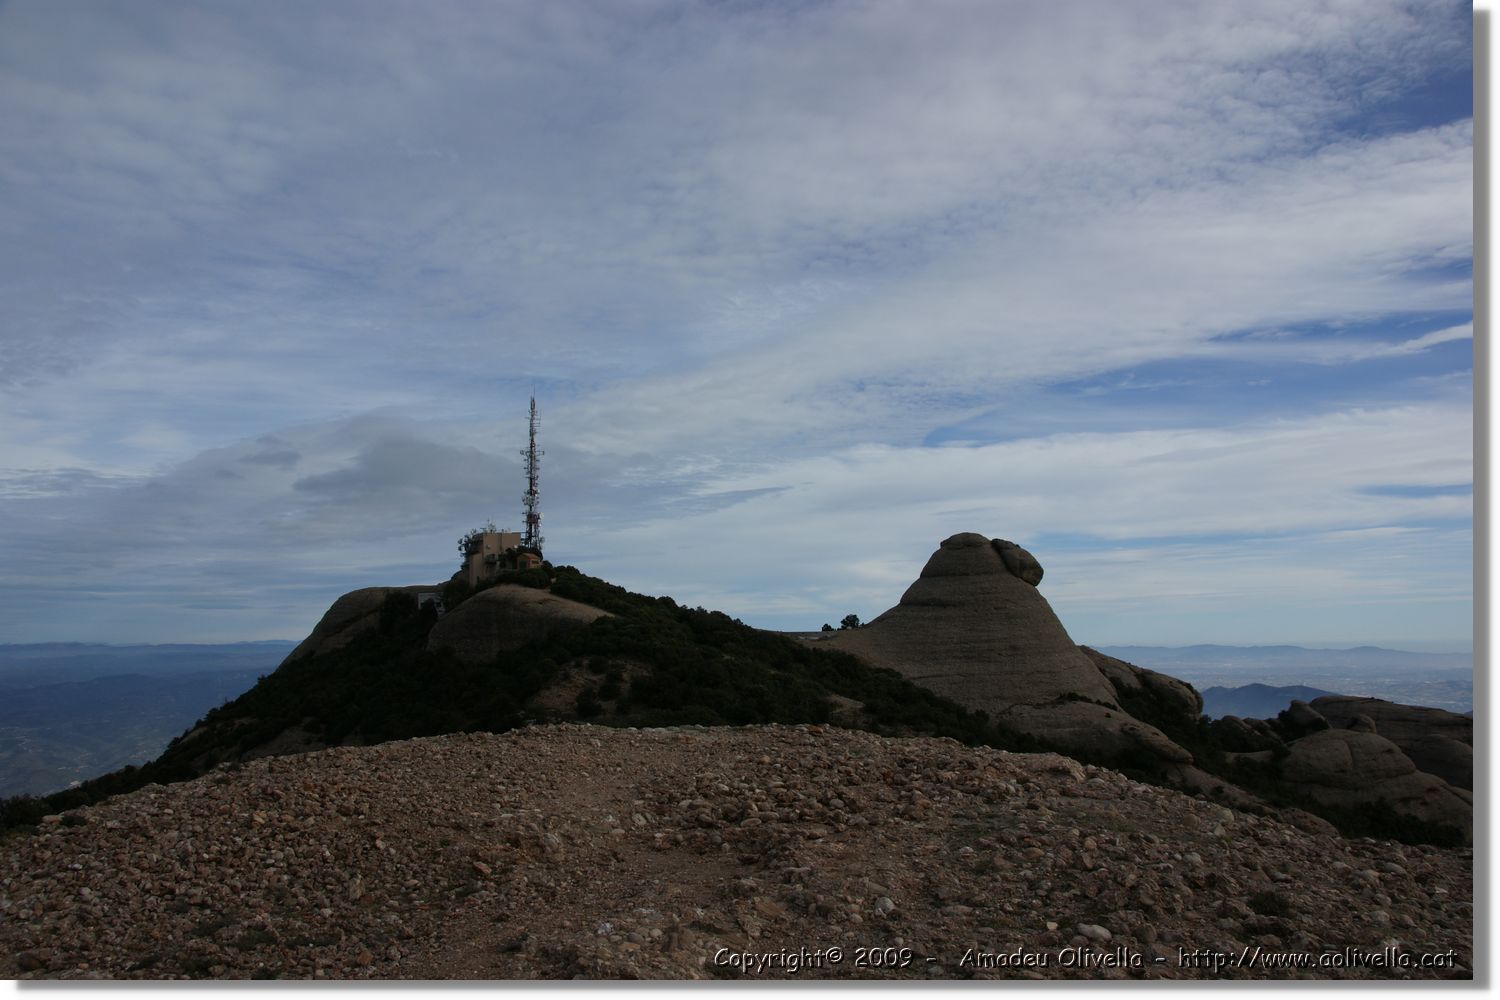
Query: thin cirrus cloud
point(801, 290)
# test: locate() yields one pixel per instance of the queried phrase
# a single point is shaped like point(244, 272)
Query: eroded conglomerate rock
point(1347, 767)
point(1299, 719)
point(1437, 741)
point(1166, 695)
point(506, 617)
point(1022, 564)
point(351, 615)
point(974, 628)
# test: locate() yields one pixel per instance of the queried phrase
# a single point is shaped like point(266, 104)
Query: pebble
point(489, 857)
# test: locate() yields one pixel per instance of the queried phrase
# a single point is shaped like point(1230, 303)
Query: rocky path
point(763, 852)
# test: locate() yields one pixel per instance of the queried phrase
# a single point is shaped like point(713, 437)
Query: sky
point(1176, 295)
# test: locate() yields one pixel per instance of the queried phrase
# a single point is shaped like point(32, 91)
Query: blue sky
point(1179, 296)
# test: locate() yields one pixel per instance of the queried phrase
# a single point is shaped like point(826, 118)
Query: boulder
point(1265, 730)
point(504, 618)
point(1238, 735)
point(1022, 564)
point(1096, 732)
point(1442, 756)
point(1167, 694)
point(352, 614)
point(1438, 742)
point(1342, 767)
point(1299, 719)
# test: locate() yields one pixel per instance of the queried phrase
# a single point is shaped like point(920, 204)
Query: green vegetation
point(1204, 739)
point(654, 663)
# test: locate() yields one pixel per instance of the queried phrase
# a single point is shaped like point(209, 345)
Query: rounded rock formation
point(1343, 767)
point(1022, 564)
point(973, 627)
point(1438, 741)
point(352, 614)
point(506, 617)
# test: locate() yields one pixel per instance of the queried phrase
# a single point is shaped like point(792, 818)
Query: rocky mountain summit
point(323, 824)
point(496, 620)
point(975, 628)
point(781, 852)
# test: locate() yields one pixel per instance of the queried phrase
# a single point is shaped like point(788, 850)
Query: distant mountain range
point(1437, 680)
point(71, 711)
point(1255, 701)
point(1210, 656)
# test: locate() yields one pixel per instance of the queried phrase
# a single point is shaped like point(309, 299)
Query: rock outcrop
point(1300, 719)
point(1022, 564)
point(504, 618)
point(354, 613)
point(495, 620)
point(1166, 695)
point(1347, 767)
point(1238, 735)
point(974, 628)
point(1437, 741)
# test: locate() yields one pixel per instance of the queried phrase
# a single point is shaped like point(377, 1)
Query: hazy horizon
point(1455, 647)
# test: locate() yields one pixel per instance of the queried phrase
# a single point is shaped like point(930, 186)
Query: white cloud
point(752, 256)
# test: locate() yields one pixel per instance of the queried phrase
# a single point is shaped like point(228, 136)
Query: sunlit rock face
point(974, 627)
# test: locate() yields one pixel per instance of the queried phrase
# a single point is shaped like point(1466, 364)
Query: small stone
point(1094, 932)
point(769, 908)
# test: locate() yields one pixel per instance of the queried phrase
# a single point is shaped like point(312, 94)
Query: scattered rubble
point(764, 852)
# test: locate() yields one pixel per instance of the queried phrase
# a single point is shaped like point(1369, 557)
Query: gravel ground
point(763, 852)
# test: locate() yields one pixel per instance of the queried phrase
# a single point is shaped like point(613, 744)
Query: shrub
point(587, 704)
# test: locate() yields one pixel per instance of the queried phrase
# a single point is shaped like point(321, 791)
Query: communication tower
point(532, 538)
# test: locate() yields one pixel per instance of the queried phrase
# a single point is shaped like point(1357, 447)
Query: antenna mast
point(533, 538)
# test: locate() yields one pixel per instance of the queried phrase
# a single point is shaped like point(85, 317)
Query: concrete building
point(487, 554)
